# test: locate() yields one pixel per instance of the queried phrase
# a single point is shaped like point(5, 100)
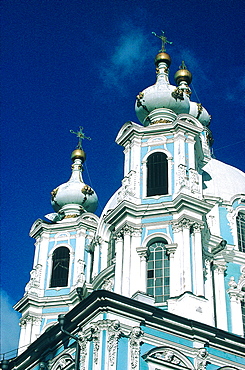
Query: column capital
point(171, 248)
point(220, 266)
point(197, 227)
point(142, 252)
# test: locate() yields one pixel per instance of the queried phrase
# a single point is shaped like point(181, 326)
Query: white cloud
point(129, 54)
point(236, 88)
point(9, 330)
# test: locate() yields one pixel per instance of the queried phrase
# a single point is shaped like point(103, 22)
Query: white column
point(126, 159)
point(236, 297)
point(118, 266)
point(36, 323)
point(135, 279)
point(197, 261)
point(142, 253)
point(126, 261)
point(219, 287)
point(177, 277)
point(79, 255)
point(209, 293)
point(236, 313)
point(171, 249)
point(96, 247)
point(22, 341)
point(104, 252)
point(88, 267)
point(187, 287)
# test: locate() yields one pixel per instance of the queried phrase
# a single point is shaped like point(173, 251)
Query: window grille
point(243, 316)
point(60, 267)
point(157, 174)
point(158, 272)
point(111, 250)
point(240, 221)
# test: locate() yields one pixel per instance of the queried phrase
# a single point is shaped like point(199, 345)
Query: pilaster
point(219, 267)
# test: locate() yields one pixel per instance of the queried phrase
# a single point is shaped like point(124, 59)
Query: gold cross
point(164, 41)
point(80, 136)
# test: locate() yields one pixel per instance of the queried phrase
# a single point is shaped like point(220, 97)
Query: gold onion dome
point(162, 57)
point(78, 154)
point(183, 75)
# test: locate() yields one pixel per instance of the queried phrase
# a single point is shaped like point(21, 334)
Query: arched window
point(111, 250)
point(157, 174)
point(60, 267)
point(240, 221)
point(158, 278)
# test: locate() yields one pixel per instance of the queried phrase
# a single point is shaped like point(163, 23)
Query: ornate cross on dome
point(164, 41)
point(81, 136)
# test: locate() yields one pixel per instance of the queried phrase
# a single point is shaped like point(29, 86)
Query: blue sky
point(71, 63)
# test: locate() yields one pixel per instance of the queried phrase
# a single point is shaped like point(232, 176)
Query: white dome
point(200, 113)
point(74, 194)
point(222, 180)
point(161, 95)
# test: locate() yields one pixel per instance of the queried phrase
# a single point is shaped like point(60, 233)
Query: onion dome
point(161, 98)
point(183, 78)
point(75, 197)
point(200, 113)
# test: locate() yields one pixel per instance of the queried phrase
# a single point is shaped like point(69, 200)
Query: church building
point(157, 282)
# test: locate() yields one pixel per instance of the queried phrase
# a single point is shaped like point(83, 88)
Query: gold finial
point(164, 41)
point(80, 136)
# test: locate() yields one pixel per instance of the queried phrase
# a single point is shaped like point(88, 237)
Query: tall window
point(111, 250)
point(158, 278)
point(243, 316)
point(240, 221)
point(157, 174)
point(60, 267)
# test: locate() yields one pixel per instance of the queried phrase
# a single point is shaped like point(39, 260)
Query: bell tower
point(62, 262)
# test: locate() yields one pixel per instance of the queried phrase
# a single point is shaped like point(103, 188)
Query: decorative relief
point(95, 337)
point(63, 362)
point(93, 334)
point(30, 319)
point(201, 359)
point(135, 342)
point(80, 272)
point(178, 94)
point(160, 121)
point(108, 285)
point(194, 181)
point(236, 290)
point(114, 333)
point(127, 190)
point(231, 217)
point(182, 175)
point(169, 356)
point(83, 340)
point(35, 277)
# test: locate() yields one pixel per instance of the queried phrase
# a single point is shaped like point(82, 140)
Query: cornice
point(87, 220)
point(147, 315)
point(182, 203)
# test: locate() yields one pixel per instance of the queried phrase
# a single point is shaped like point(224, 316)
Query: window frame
point(67, 277)
point(160, 263)
point(240, 229)
point(145, 173)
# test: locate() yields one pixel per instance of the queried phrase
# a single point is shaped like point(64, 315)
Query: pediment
point(167, 358)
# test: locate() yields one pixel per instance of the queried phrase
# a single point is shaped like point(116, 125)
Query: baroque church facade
point(158, 280)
